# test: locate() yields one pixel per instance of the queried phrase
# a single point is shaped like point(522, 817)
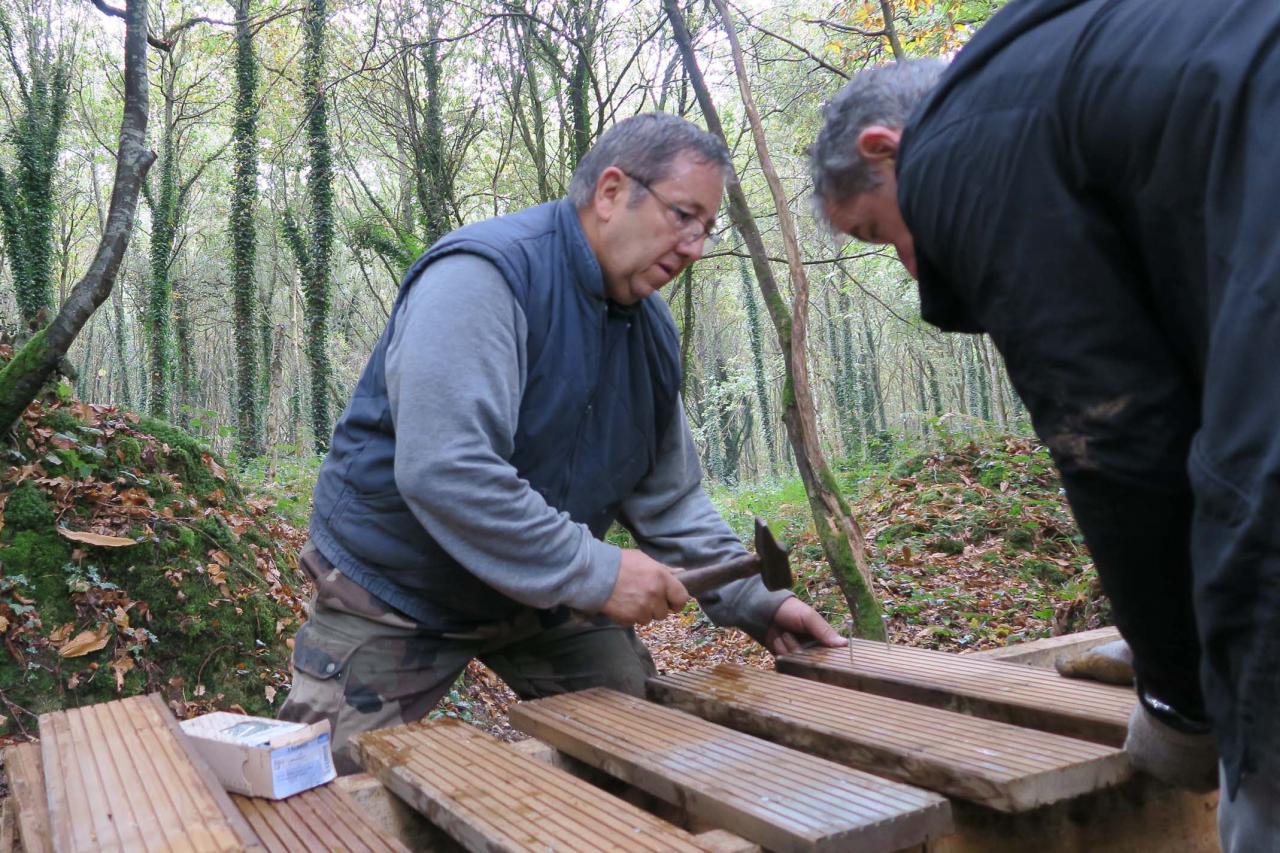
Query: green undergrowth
point(969, 538)
point(187, 589)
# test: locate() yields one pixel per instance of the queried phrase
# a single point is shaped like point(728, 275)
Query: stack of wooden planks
point(868, 748)
point(122, 776)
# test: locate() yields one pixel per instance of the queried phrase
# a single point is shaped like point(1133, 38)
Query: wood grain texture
point(1009, 692)
point(1001, 766)
point(322, 818)
point(118, 776)
point(487, 796)
point(1044, 652)
point(25, 772)
point(777, 797)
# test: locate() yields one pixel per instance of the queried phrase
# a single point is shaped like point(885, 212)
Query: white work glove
point(1182, 759)
point(1111, 663)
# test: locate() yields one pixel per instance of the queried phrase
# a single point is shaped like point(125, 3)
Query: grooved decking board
point(1001, 766)
point(487, 796)
point(119, 776)
point(23, 769)
point(321, 818)
point(1011, 693)
point(780, 798)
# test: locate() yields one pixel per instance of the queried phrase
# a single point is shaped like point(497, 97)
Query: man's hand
point(645, 590)
point(794, 623)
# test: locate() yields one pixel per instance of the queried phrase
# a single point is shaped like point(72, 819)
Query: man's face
point(874, 217)
point(643, 245)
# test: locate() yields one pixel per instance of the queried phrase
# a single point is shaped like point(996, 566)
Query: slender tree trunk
point(686, 330)
point(160, 295)
point(891, 31)
point(24, 376)
point(313, 251)
point(244, 239)
point(837, 529)
point(757, 363)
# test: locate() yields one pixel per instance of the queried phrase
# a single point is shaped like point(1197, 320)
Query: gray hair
point(644, 146)
point(886, 96)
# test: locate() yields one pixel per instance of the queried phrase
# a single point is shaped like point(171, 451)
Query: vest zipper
point(586, 413)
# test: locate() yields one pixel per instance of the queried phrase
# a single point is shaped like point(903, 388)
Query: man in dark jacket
point(523, 397)
point(1096, 184)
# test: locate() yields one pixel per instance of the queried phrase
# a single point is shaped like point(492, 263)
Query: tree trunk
point(757, 363)
point(313, 252)
point(160, 296)
point(244, 239)
point(24, 376)
point(837, 529)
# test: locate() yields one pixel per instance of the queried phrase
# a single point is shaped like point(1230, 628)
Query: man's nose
point(691, 247)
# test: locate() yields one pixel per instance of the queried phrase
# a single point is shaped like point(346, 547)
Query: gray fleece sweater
point(455, 372)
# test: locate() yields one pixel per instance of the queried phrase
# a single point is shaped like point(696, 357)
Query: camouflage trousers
point(362, 665)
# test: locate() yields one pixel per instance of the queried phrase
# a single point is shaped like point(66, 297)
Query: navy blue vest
point(601, 389)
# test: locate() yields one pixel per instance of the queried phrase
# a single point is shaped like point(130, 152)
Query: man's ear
point(611, 192)
point(877, 142)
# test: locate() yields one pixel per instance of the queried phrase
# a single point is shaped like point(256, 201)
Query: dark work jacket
point(601, 389)
point(1097, 185)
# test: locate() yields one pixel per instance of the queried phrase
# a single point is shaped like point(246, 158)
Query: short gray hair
point(644, 146)
point(885, 95)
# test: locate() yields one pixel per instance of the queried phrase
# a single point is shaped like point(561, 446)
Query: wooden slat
point(775, 796)
point(23, 769)
point(321, 818)
point(1001, 766)
point(119, 776)
point(1044, 652)
point(487, 796)
point(1021, 695)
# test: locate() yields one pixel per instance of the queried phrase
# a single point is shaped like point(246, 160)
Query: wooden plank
point(767, 793)
point(1001, 766)
point(321, 818)
point(119, 777)
point(487, 796)
point(25, 772)
point(1021, 695)
point(1044, 652)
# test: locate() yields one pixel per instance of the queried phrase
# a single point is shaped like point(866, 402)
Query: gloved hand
point(1184, 759)
point(1111, 663)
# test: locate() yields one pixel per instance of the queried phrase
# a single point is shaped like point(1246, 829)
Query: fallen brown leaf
point(96, 538)
point(85, 642)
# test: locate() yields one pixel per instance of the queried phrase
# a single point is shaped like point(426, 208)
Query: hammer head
point(775, 568)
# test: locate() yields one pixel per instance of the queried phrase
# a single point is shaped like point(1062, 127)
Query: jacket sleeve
point(674, 522)
point(455, 377)
point(1041, 266)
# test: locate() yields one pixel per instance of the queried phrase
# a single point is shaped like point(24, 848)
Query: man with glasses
point(523, 397)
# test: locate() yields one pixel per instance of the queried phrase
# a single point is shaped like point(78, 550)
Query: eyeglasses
point(688, 225)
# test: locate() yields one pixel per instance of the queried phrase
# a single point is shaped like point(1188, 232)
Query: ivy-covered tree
point(27, 200)
point(244, 200)
point(314, 250)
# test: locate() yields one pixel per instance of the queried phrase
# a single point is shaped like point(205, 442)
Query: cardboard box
point(262, 757)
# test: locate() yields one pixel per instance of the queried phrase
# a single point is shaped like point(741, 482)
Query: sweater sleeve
point(674, 522)
point(455, 373)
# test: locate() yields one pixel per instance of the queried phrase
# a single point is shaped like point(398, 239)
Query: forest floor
point(132, 561)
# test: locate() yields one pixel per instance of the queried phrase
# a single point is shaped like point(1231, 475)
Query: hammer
point(769, 561)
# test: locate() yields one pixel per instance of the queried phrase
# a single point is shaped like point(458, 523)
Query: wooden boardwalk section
point(487, 796)
point(998, 765)
point(105, 793)
point(319, 819)
point(996, 690)
point(778, 797)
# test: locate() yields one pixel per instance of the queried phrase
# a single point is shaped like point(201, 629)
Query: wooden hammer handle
point(698, 581)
